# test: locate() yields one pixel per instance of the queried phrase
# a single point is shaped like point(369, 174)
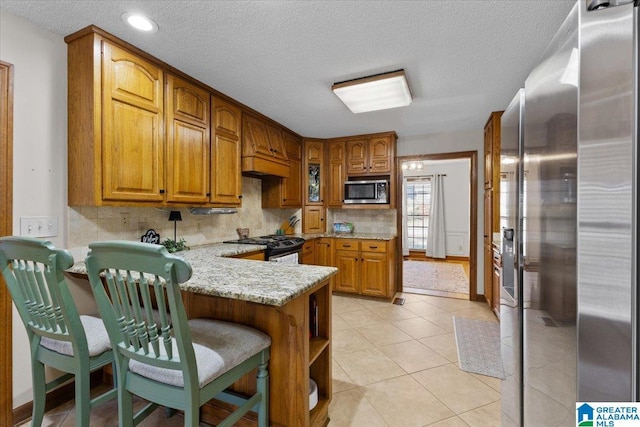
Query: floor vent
point(398, 301)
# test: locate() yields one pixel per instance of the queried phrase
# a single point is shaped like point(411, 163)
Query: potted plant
point(175, 246)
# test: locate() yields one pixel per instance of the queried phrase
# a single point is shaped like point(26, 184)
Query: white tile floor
point(392, 366)
point(397, 365)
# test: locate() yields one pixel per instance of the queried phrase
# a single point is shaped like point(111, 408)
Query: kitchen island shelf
point(316, 347)
point(273, 298)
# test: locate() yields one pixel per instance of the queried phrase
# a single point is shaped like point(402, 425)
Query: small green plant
point(173, 246)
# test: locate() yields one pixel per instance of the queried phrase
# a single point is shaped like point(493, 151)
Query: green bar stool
point(176, 363)
point(59, 337)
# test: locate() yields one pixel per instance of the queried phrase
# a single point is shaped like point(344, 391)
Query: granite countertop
point(354, 235)
point(269, 283)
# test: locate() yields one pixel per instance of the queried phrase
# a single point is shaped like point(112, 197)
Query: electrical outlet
point(39, 226)
point(124, 220)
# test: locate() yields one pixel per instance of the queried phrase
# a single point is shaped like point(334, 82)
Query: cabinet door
point(276, 142)
point(313, 219)
point(258, 137)
point(375, 273)
point(226, 174)
point(348, 277)
point(187, 142)
point(496, 290)
point(313, 173)
point(292, 186)
point(308, 252)
point(357, 163)
point(488, 154)
point(324, 252)
point(132, 127)
point(336, 150)
point(293, 146)
point(380, 155)
point(488, 247)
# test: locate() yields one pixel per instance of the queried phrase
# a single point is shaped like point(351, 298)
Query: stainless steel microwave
point(374, 191)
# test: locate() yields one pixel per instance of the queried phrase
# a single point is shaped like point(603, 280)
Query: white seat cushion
point(97, 338)
point(218, 347)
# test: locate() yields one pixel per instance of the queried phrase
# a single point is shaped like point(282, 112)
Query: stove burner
point(276, 244)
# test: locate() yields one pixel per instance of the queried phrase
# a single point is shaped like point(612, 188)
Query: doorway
point(6, 229)
point(413, 227)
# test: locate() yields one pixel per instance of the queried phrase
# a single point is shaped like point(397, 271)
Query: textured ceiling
point(463, 58)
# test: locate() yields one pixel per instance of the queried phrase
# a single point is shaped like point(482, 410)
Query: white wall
point(39, 147)
point(472, 140)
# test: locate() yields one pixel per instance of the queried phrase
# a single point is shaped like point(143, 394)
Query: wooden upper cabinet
point(226, 173)
point(380, 155)
point(255, 132)
point(132, 127)
point(357, 163)
point(188, 142)
point(293, 146)
point(226, 118)
point(336, 151)
point(286, 192)
point(313, 172)
point(263, 148)
point(276, 142)
point(372, 156)
point(492, 150)
point(292, 186)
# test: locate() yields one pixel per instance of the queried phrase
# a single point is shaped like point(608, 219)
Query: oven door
point(287, 257)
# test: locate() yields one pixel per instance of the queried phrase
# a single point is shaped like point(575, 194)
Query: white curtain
point(436, 247)
point(405, 237)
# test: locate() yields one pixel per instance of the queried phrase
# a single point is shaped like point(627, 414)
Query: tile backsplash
point(365, 220)
point(90, 224)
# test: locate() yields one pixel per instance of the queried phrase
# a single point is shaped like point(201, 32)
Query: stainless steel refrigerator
point(569, 325)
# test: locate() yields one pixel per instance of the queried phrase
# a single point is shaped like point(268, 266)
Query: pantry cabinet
point(336, 154)
point(188, 144)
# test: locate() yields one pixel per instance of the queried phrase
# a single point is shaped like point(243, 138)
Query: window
point(418, 204)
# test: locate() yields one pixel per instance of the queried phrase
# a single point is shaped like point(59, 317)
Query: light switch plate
point(39, 226)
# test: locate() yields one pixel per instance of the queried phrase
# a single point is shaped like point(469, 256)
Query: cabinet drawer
point(308, 246)
point(373, 246)
point(347, 244)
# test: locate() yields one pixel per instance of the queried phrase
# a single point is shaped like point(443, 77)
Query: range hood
point(212, 211)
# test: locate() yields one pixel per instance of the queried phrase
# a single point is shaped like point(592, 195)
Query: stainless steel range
point(279, 248)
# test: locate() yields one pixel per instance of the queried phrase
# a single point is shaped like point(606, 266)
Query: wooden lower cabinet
point(365, 267)
point(348, 263)
point(256, 255)
point(308, 252)
point(295, 356)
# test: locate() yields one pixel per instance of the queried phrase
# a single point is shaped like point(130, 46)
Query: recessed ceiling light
point(378, 92)
point(140, 22)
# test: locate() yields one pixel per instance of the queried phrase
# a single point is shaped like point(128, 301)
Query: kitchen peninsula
point(274, 298)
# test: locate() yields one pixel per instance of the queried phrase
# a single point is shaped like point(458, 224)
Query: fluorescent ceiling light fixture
point(378, 92)
point(140, 22)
